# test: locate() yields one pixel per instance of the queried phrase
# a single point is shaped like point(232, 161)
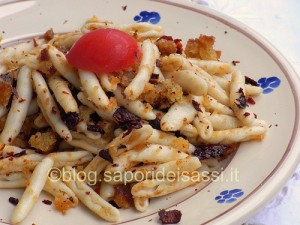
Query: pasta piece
point(19, 107)
point(93, 201)
point(33, 107)
point(223, 122)
point(131, 140)
point(63, 67)
point(141, 204)
point(84, 145)
point(40, 121)
point(63, 94)
point(88, 144)
point(96, 165)
point(82, 127)
point(107, 191)
point(3, 69)
point(201, 121)
point(106, 82)
point(103, 114)
point(189, 131)
point(250, 90)
point(203, 125)
point(137, 107)
point(189, 81)
point(164, 138)
point(49, 107)
point(178, 62)
point(145, 70)
point(67, 40)
point(151, 154)
point(94, 91)
point(212, 105)
point(212, 66)
point(30, 60)
point(178, 115)
point(9, 150)
point(224, 82)
point(172, 168)
point(12, 180)
point(157, 70)
point(64, 197)
point(70, 158)
point(18, 164)
point(261, 123)
point(32, 191)
point(238, 101)
point(139, 30)
point(3, 111)
point(159, 187)
point(236, 135)
point(16, 52)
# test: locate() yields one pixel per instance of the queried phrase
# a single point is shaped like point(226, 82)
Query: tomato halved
point(104, 50)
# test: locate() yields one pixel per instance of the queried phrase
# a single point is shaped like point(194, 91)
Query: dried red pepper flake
point(155, 123)
point(35, 44)
point(13, 200)
point(241, 101)
point(196, 105)
point(250, 81)
point(212, 151)
point(251, 101)
point(44, 55)
point(246, 114)
point(71, 119)
point(48, 35)
point(126, 119)
point(158, 63)
point(21, 153)
point(47, 202)
point(52, 70)
point(123, 197)
point(95, 128)
point(154, 78)
point(104, 154)
point(15, 92)
point(179, 46)
point(170, 216)
point(114, 204)
point(53, 110)
point(22, 100)
point(234, 62)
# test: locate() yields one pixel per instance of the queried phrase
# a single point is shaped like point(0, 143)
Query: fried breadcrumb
point(162, 95)
point(202, 48)
point(44, 142)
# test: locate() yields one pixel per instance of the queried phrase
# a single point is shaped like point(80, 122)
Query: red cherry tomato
point(104, 50)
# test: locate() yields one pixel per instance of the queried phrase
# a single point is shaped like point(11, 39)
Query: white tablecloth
point(278, 21)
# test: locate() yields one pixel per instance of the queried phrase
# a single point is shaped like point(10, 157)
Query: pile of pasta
point(167, 113)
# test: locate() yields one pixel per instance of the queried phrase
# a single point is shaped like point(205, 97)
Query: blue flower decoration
point(144, 16)
point(229, 196)
point(269, 84)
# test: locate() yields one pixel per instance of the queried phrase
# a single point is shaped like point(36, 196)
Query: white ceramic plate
point(256, 172)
